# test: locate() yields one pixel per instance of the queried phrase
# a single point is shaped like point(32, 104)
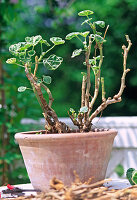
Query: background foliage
point(57, 18)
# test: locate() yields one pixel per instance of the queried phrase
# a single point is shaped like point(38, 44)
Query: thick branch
point(46, 107)
point(80, 118)
point(55, 125)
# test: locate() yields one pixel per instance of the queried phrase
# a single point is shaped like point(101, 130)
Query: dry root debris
point(83, 191)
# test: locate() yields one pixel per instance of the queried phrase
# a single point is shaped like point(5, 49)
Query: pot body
point(49, 155)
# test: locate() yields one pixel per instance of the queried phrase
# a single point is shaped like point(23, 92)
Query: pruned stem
point(125, 71)
point(95, 93)
point(88, 73)
point(106, 31)
point(83, 90)
point(103, 89)
point(80, 118)
point(36, 65)
point(117, 97)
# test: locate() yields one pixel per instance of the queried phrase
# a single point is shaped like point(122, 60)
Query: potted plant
point(58, 150)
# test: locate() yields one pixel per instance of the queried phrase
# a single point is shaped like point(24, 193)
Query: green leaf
point(86, 21)
point(99, 39)
point(84, 73)
point(92, 36)
point(11, 61)
point(72, 110)
point(14, 47)
point(44, 42)
point(22, 89)
point(91, 62)
point(52, 62)
point(129, 175)
point(85, 13)
point(84, 34)
point(47, 79)
point(97, 58)
point(100, 23)
point(72, 35)
point(119, 170)
point(25, 60)
point(76, 53)
point(57, 40)
point(31, 53)
point(95, 69)
point(29, 39)
point(22, 55)
point(83, 109)
point(134, 176)
point(98, 33)
point(23, 46)
point(39, 81)
point(37, 39)
point(34, 40)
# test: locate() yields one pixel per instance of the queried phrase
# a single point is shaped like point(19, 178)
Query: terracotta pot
point(49, 155)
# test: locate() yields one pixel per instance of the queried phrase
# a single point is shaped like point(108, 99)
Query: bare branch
point(97, 82)
point(125, 71)
point(83, 90)
point(129, 42)
point(95, 93)
point(75, 122)
point(103, 89)
point(117, 97)
point(36, 65)
point(80, 118)
point(88, 74)
point(122, 87)
point(106, 31)
point(103, 106)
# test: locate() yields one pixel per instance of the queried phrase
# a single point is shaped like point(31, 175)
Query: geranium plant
point(27, 56)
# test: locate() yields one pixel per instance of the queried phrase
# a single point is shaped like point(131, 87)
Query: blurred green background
point(21, 18)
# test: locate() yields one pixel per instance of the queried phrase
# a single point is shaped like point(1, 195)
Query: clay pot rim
point(33, 136)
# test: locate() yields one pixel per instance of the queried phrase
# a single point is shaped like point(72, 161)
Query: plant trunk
point(54, 125)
